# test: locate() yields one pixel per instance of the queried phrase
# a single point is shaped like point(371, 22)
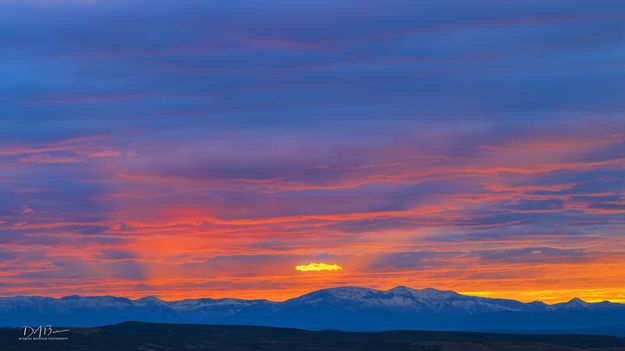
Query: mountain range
point(342, 308)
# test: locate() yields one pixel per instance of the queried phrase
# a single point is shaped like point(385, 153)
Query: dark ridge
point(155, 336)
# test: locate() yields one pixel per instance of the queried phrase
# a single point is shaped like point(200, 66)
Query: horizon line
point(469, 294)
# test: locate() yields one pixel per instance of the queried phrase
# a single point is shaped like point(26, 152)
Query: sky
point(186, 149)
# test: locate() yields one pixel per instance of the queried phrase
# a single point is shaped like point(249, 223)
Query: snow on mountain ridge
point(404, 298)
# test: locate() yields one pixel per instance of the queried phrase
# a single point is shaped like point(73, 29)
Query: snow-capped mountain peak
point(402, 298)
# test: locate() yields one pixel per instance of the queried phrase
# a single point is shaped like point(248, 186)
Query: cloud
point(116, 254)
point(607, 205)
point(318, 267)
point(393, 261)
point(534, 255)
point(537, 205)
point(26, 210)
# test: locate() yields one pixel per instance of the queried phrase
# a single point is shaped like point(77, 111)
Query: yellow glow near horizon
point(318, 267)
point(554, 296)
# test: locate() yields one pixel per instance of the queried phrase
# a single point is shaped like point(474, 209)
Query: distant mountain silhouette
point(343, 308)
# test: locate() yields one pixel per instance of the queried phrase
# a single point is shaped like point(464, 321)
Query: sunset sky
point(188, 149)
